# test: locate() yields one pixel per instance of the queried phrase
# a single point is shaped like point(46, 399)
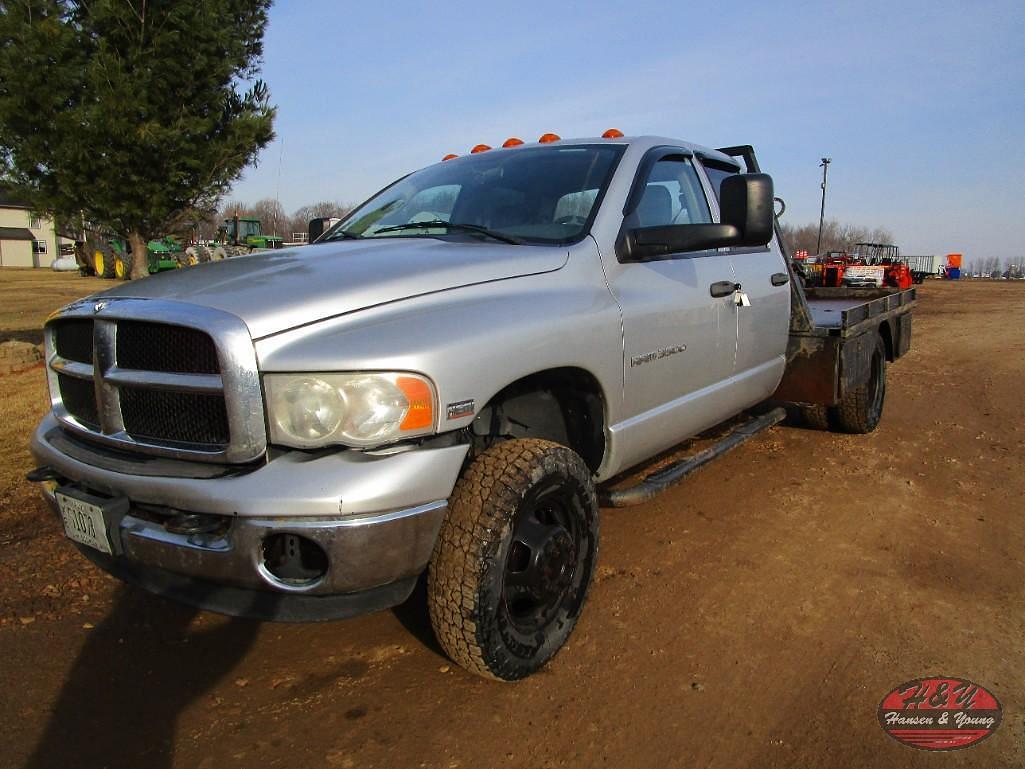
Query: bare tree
point(991, 266)
point(204, 225)
point(272, 216)
point(835, 236)
point(300, 220)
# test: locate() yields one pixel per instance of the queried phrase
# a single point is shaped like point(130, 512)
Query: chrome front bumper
point(376, 518)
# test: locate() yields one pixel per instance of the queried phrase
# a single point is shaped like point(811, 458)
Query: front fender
point(474, 341)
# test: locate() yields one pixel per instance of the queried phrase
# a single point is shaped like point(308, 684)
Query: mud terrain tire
point(816, 417)
point(862, 408)
point(514, 558)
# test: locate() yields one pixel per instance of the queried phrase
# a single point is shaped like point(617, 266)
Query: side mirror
point(746, 202)
point(319, 226)
point(746, 205)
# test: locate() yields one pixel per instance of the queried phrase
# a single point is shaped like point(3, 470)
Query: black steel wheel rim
point(542, 568)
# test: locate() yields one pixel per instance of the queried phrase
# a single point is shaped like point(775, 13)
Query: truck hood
point(274, 291)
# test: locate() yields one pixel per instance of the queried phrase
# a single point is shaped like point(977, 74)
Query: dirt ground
point(753, 616)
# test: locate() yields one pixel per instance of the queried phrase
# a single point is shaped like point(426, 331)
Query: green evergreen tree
point(136, 113)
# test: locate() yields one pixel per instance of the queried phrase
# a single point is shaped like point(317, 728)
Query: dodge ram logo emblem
point(99, 306)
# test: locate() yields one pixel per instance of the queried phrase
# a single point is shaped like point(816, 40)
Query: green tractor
point(108, 257)
point(243, 235)
point(237, 236)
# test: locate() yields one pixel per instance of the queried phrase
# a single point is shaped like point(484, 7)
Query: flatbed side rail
point(835, 356)
point(866, 305)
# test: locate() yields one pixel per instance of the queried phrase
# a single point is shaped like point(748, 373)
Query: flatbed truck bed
point(834, 331)
point(843, 310)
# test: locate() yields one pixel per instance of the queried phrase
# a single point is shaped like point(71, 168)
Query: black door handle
point(780, 279)
point(723, 288)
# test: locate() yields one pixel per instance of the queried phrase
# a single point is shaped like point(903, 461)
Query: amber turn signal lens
point(421, 403)
point(612, 133)
point(512, 141)
point(480, 148)
point(449, 156)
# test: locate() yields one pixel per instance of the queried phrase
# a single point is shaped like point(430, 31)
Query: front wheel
point(514, 558)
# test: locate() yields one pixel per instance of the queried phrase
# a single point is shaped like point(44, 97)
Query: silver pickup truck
point(444, 383)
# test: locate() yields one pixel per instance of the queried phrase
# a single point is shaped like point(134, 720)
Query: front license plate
point(85, 521)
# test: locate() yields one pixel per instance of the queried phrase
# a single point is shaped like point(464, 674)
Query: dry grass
point(40, 576)
point(25, 403)
point(28, 295)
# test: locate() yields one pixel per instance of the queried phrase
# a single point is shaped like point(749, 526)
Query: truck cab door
point(679, 340)
point(762, 318)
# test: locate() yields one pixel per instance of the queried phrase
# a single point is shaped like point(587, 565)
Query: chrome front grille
point(157, 347)
point(186, 386)
point(157, 415)
point(79, 398)
point(75, 342)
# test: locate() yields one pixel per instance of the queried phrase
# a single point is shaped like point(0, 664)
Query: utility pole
point(824, 165)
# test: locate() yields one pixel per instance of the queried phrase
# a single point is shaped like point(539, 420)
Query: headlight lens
point(362, 410)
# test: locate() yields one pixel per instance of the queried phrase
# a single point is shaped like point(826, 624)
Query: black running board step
point(662, 479)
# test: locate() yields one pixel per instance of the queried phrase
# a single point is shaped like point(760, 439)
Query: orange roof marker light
point(512, 141)
point(479, 148)
point(612, 133)
point(549, 138)
point(449, 156)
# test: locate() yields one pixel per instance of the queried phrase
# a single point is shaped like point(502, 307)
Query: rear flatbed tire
point(862, 408)
point(817, 417)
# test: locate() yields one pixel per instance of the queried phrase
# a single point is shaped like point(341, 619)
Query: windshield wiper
point(342, 235)
point(451, 226)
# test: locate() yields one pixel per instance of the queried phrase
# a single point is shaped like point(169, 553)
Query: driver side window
point(672, 195)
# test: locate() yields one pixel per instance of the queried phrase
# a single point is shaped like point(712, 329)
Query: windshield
point(246, 227)
point(249, 227)
point(522, 195)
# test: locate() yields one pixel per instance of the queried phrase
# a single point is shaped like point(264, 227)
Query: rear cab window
point(716, 171)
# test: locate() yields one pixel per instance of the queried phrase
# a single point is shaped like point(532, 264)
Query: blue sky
point(920, 105)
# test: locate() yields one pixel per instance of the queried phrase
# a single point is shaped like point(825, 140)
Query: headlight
point(311, 410)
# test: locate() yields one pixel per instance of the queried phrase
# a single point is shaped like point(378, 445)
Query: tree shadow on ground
point(138, 670)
